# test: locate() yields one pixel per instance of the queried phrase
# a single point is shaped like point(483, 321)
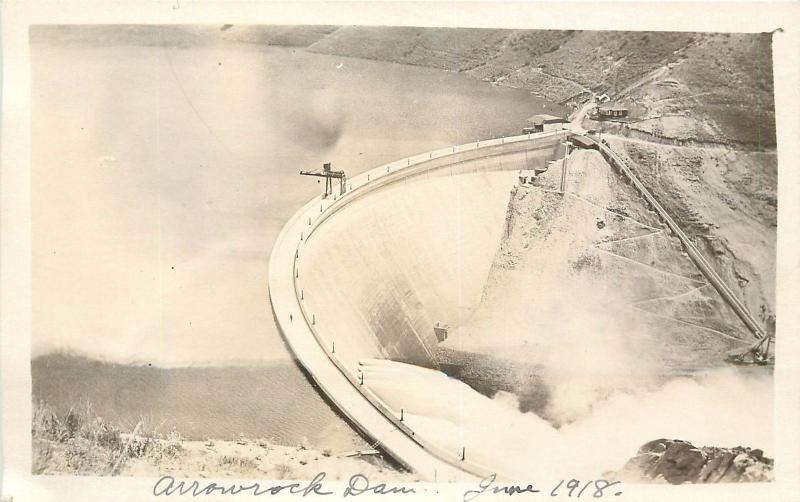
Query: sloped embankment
point(590, 290)
point(726, 201)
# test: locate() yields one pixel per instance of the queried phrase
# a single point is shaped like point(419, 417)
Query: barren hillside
point(589, 287)
point(726, 201)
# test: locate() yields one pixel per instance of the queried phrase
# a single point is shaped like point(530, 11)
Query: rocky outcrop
point(677, 462)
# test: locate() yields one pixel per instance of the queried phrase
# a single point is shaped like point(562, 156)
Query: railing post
point(333, 347)
point(401, 414)
point(463, 452)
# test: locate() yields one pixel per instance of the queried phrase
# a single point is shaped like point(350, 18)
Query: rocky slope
point(726, 201)
point(588, 295)
point(677, 462)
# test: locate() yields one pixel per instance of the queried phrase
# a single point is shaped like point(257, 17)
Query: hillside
point(455, 50)
point(602, 61)
point(706, 86)
point(590, 288)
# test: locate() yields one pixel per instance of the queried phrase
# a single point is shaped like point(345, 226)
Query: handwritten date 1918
point(573, 488)
point(598, 487)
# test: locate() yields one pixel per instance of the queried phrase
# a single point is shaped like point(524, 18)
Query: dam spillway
point(366, 275)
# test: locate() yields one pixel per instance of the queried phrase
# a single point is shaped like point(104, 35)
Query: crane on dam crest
point(329, 174)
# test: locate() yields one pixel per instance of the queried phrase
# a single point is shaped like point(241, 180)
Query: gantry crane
point(328, 173)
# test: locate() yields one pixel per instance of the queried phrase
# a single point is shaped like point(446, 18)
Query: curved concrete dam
point(565, 296)
point(362, 278)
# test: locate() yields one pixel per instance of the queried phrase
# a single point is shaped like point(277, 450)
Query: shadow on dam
point(411, 253)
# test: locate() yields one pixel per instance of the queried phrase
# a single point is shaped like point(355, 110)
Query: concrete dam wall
point(366, 275)
point(412, 251)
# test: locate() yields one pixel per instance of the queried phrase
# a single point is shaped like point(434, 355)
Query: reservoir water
point(162, 175)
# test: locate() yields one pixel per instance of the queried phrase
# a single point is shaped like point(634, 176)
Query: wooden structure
point(613, 111)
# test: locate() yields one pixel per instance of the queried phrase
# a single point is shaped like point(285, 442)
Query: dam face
point(385, 268)
point(358, 281)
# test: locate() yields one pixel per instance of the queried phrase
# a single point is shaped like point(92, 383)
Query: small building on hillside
point(544, 122)
point(441, 330)
point(616, 111)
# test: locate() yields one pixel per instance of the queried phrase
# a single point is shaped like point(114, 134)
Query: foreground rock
point(677, 462)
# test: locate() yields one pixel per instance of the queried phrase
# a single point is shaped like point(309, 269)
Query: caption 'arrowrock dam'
point(505, 282)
